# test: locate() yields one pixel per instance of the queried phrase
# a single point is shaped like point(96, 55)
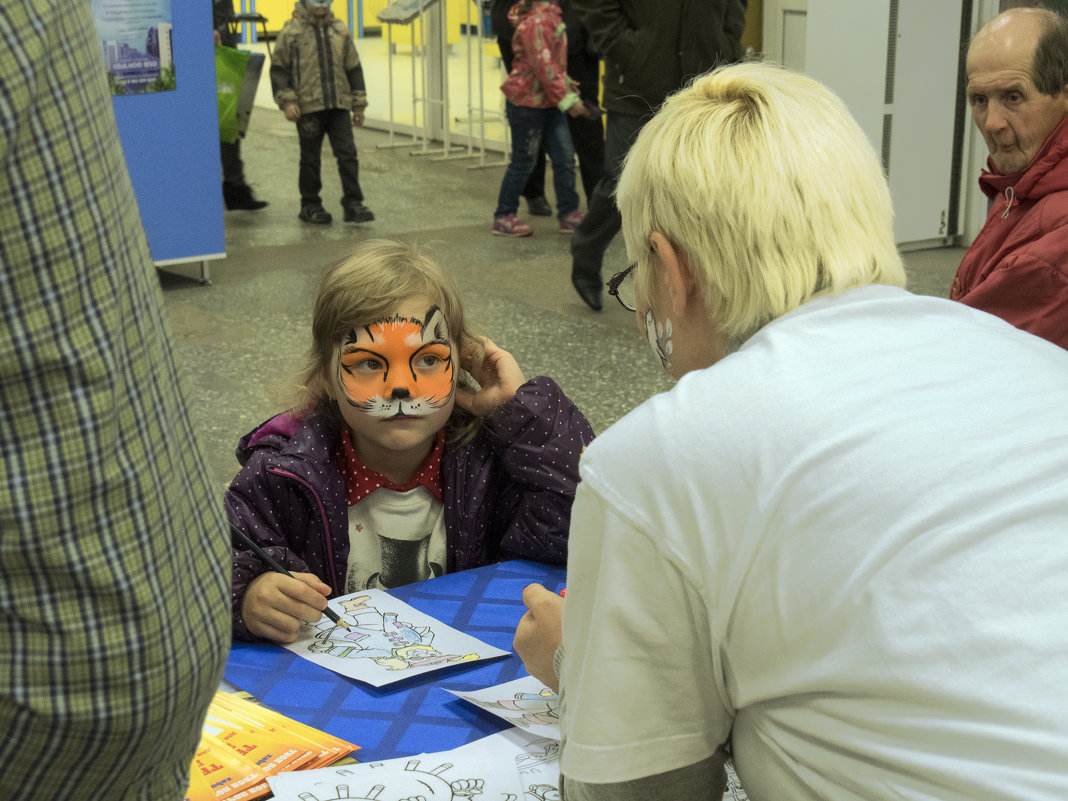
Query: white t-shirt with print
point(846, 546)
point(395, 538)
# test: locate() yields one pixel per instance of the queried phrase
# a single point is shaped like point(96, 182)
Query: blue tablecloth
point(415, 715)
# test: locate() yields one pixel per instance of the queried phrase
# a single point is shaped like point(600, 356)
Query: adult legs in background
point(534, 191)
point(587, 137)
point(236, 192)
point(602, 222)
point(556, 141)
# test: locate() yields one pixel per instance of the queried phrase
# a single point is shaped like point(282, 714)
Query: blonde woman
point(837, 546)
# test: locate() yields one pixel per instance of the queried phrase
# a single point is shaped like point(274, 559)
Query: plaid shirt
point(114, 580)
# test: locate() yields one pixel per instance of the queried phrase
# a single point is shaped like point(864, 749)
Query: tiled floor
point(243, 337)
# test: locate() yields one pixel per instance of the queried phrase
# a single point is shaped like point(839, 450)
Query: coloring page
point(509, 766)
point(529, 704)
point(525, 702)
point(733, 791)
point(387, 640)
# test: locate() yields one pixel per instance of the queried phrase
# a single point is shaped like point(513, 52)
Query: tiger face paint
point(398, 367)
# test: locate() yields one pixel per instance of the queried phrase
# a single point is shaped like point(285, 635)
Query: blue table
point(415, 715)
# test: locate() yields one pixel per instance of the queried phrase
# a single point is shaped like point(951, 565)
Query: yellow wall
point(278, 11)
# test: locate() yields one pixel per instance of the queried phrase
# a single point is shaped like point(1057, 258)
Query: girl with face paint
point(411, 448)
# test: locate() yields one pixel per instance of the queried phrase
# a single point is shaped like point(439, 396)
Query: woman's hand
point(275, 604)
point(292, 112)
point(538, 634)
point(499, 376)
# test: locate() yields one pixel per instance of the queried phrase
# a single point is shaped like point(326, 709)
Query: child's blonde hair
point(365, 286)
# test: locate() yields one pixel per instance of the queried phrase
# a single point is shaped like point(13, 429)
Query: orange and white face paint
point(398, 367)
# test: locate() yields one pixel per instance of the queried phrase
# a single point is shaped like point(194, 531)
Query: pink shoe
point(569, 223)
point(510, 225)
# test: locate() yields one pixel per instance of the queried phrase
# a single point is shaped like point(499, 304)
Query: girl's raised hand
point(499, 376)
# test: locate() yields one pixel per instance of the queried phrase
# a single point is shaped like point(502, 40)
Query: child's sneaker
point(315, 214)
point(510, 225)
point(569, 223)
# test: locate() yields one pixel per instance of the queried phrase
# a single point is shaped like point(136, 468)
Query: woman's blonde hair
point(768, 186)
point(365, 286)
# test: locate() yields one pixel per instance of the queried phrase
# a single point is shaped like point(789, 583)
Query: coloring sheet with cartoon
point(509, 766)
point(387, 640)
point(524, 702)
point(529, 704)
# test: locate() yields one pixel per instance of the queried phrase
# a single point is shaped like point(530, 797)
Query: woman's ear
point(678, 279)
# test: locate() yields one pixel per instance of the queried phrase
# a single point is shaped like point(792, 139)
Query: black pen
point(267, 560)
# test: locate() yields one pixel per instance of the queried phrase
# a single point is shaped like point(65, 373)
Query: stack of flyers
point(243, 743)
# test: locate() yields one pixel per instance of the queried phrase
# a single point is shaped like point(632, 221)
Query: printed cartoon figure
point(539, 709)
point(410, 785)
point(536, 753)
point(381, 637)
point(544, 792)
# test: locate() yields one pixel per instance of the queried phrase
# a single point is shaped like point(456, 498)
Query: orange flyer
point(328, 749)
point(242, 743)
point(218, 772)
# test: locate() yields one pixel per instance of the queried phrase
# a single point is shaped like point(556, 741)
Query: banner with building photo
point(136, 37)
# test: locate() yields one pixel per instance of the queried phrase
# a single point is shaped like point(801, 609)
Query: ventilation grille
point(960, 122)
point(891, 54)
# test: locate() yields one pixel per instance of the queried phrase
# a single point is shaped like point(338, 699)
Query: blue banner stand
point(171, 144)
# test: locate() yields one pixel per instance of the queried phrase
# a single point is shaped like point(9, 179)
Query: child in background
point(318, 95)
point(539, 92)
point(391, 466)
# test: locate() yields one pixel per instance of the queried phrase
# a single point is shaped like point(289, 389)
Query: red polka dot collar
point(361, 481)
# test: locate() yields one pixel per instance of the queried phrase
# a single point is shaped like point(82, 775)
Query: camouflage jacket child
point(300, 74)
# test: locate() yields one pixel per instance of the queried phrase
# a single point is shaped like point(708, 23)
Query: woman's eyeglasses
point(621, 285)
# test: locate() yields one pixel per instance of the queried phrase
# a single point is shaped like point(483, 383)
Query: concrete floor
point(242, 338)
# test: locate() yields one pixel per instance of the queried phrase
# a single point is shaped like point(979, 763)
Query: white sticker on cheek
point(659, 337)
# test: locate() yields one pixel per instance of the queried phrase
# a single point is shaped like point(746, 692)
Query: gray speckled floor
point(241, 339)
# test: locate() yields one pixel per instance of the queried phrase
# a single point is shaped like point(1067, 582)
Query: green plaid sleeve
point(114, 581)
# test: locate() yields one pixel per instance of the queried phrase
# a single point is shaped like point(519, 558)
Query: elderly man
point(793, 550)
point(1017, 268)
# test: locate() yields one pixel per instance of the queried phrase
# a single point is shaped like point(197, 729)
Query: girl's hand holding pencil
point(275, 605)
point(277, 602)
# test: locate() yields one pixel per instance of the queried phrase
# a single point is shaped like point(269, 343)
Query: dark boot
point(589, 289)
point(240, 198)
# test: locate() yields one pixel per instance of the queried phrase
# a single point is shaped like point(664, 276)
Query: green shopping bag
point(230, 68)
